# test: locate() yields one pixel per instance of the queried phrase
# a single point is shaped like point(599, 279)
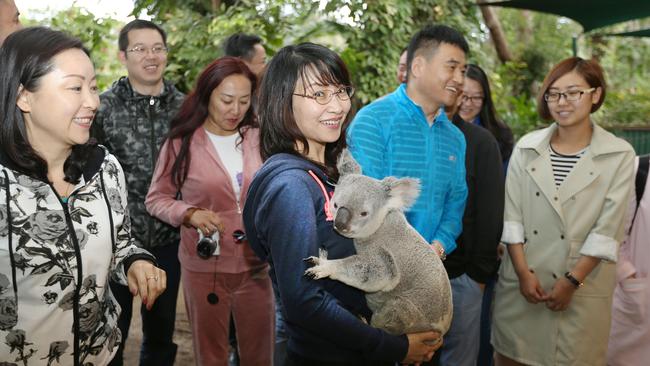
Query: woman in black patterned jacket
point(64, 226)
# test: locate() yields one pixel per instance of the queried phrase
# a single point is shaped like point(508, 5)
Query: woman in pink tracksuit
point(200, 184)
point(629, 339)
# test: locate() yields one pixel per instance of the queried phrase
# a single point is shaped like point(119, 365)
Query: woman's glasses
point(569, 95)
point(325, 96)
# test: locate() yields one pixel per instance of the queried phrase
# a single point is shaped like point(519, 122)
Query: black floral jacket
point(56, 307)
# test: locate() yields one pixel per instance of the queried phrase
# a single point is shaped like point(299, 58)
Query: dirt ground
point(182, 336)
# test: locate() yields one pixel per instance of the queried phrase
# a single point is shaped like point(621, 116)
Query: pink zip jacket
point(629, 339)
point(208, 186)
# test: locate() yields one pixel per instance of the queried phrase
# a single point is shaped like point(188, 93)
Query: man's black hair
point(241, 45)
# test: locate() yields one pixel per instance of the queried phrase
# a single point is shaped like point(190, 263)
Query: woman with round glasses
point(304, 110)
point(567, 190)
point(200, 184)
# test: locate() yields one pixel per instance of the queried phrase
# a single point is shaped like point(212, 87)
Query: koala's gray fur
point(406, 284)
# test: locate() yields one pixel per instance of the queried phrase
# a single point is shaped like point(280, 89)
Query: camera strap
point(328, 213)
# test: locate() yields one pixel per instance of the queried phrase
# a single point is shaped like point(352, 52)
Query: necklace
point(64, 198)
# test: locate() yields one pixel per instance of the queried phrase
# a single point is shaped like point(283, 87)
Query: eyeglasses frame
point(349, 92)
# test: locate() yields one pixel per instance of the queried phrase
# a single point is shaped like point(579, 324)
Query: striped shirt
point(563, 164)
point(392, 137)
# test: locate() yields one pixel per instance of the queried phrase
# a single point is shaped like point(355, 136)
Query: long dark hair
point(194, 111)
point(501, 132)
point(25, 57)
point(278, 129)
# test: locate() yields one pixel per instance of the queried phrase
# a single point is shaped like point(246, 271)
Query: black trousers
point(157, 348)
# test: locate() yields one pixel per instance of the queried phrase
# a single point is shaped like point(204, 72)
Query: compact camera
point(207, 246)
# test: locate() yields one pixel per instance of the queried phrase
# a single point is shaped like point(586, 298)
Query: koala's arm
point(370, 273)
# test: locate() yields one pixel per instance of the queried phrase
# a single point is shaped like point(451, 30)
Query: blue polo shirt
point(391, 137)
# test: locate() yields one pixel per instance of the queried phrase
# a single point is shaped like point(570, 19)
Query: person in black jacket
point(474, 262)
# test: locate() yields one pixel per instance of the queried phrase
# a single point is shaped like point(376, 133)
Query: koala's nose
point(342, 220)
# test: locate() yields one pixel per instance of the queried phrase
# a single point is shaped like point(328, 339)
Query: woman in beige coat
point(566, 193)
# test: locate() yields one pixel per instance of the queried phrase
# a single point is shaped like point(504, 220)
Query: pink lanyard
point(328, 213)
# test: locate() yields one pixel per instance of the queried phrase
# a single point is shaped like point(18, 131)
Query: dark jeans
point(486, 352)
point(157, 348)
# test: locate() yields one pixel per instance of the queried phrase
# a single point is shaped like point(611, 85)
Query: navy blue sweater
point(285, 222)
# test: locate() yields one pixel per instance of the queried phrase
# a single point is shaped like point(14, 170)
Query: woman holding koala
point(200, 184)
point(304, 109)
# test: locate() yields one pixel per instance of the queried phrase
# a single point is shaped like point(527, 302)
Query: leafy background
point(370, 34)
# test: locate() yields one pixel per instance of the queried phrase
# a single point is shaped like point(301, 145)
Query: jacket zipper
point(150, 222)
point(77, 289)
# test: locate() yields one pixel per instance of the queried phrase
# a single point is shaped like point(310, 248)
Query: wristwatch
point(574, 281)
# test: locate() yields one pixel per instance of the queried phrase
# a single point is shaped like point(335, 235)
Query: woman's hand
point(146, 280)
point(207, 221)
point(561, 295)
point(530, 288)
point(422, 347)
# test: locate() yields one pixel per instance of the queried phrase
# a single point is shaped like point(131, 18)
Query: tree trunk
point(499, 39)
point(216, 4)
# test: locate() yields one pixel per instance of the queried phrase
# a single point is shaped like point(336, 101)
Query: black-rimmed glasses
point(476, 99)
point(569, 95)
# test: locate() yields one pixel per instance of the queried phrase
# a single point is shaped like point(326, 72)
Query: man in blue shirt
point(408, 134)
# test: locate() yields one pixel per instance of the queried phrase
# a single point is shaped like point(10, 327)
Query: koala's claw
point(312, 260)
point(317, 272)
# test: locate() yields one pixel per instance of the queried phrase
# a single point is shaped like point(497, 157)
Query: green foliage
point(382, 28)
point(195, 39)
point(99, 35)
point(370, 34)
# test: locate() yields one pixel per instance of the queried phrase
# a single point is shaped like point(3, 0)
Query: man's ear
point(417, 65)
point(23, 99)
point(122, 56)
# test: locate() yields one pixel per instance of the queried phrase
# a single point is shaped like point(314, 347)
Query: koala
point(406, 284)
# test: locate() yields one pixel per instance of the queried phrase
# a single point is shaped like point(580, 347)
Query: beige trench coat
point(583, 217)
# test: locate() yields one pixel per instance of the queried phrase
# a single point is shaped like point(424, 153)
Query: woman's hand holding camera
point(146, 280)
point(207, 221)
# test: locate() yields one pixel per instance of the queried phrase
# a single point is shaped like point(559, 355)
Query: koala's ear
point(346, 164)
point(402, 192)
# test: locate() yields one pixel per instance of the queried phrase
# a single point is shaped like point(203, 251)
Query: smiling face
point(471, 101)
point(438, 80)
point(229, 103)
point(572, 113)
point(144, 70)
point(59, 113)
point(320, 124)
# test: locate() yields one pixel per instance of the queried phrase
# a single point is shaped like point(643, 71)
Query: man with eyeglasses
point(132, 121)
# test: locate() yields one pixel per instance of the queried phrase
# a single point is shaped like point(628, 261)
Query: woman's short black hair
point(290, 66)
point(25, 57)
